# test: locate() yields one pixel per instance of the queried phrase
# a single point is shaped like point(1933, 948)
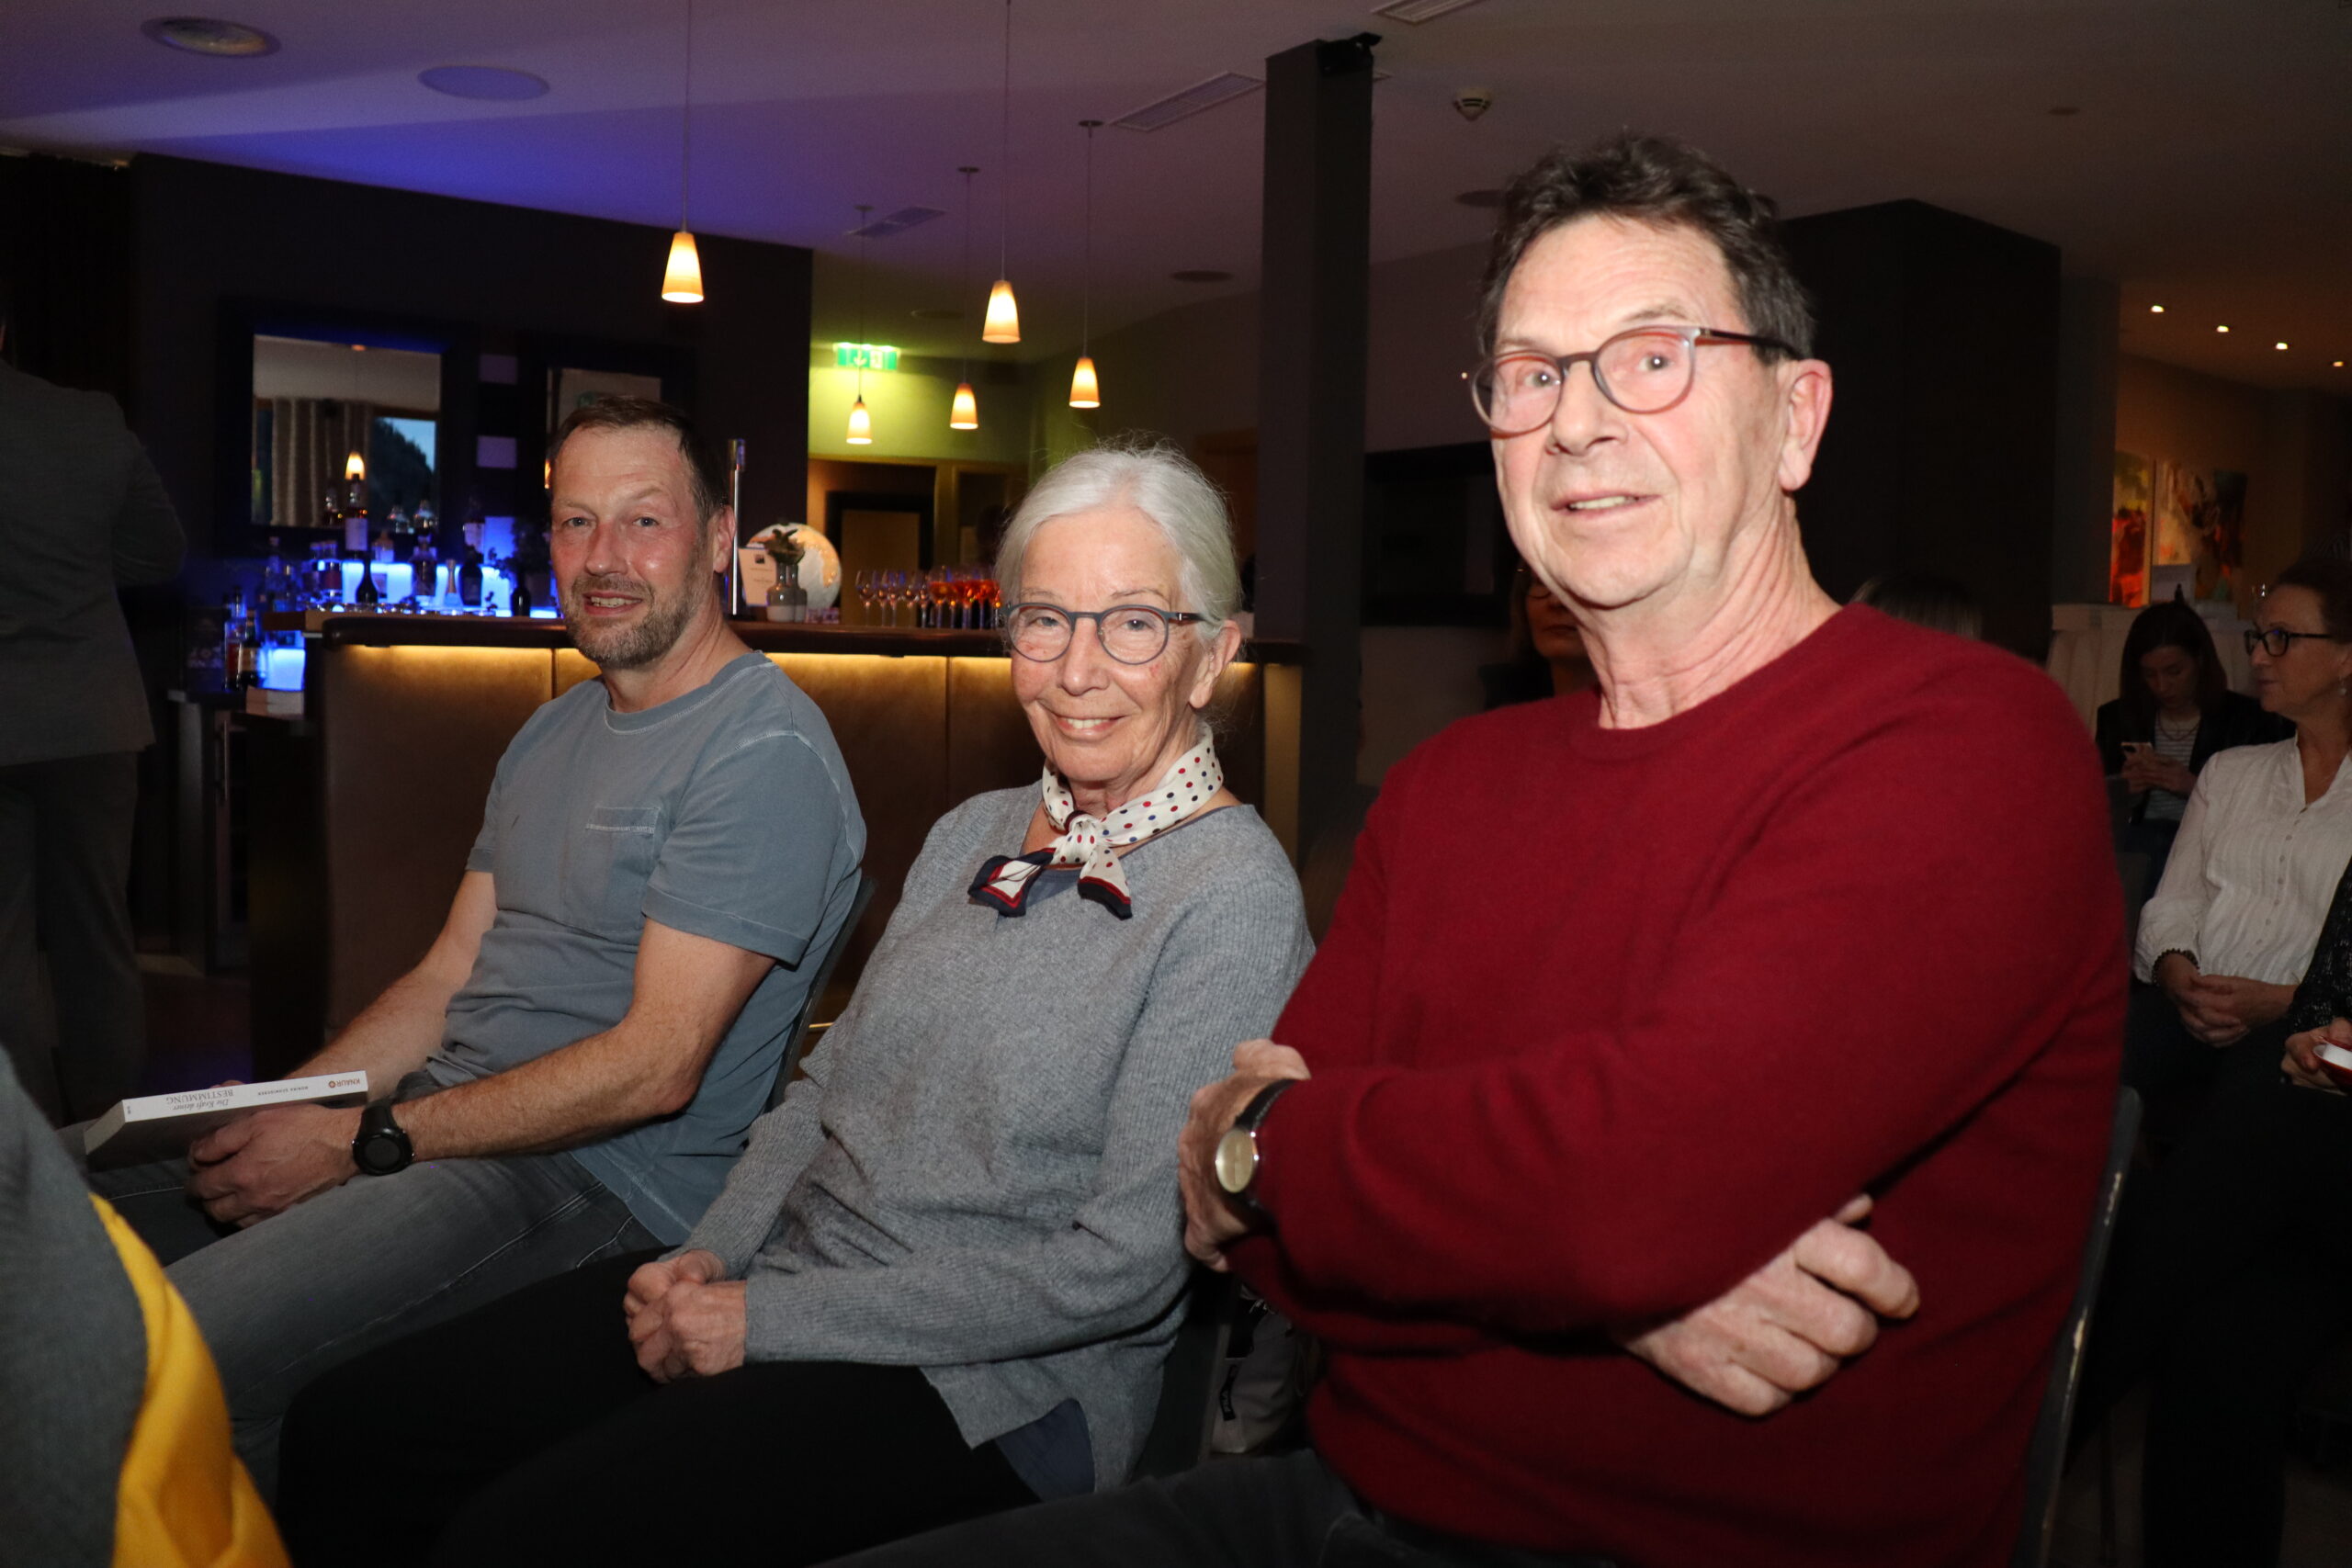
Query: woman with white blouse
point(2266, 836)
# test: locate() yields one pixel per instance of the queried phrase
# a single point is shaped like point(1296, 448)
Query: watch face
point(1236, 1160)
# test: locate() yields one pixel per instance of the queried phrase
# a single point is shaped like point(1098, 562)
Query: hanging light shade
point(1085, 392)
point(355, 466)
point(964, 413)
point(1003, 323)
point(861, 424)
point(682, 281)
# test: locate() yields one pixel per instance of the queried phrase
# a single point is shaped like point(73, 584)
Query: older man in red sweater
point(1628, 989)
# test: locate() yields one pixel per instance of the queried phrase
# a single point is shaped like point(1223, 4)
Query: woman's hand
point(644, 1304)
point(2146, 770)
point(2301, 1061)
point(2220, 1008)
point(696, 1330)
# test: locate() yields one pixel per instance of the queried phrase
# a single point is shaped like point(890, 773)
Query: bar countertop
point(339, 628)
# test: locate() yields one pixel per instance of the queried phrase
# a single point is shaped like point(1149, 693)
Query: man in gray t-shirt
point(666, 856)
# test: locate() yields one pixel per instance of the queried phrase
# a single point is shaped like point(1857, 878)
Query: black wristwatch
point(380, 1147)
point(1236, 1152)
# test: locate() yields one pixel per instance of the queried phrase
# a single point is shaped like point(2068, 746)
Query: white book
point(157, 1126)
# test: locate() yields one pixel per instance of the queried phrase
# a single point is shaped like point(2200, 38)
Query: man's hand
point(694, 1330)
point(265, 1163)
point(2301, 1061)
point(1213, 1220)
point(1788, 1327)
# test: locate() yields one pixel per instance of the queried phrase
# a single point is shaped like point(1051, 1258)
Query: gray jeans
point(362, 1264)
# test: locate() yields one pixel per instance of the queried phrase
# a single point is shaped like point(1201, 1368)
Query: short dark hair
point(2331, 579)
point(2170, 624)
point(1659, 181)
point(704, 476)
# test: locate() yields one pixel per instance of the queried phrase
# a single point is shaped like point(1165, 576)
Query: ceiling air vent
point(1416, 12)
point(897, 223)
point(1191, 101)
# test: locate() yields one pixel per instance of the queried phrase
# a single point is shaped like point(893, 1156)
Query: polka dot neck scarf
point(1086, 843)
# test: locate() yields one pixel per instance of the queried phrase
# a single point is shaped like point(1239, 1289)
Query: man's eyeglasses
point(1132, 634)
point(2276, 640)
point(1646, 371)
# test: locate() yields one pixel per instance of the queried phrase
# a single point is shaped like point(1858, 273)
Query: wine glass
point(869, 589)
point(939, 589)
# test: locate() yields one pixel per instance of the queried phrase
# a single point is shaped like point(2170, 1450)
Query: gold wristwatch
point(1236, 1152)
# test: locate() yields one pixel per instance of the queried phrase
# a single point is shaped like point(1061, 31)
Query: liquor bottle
point(354, 527)
point(237, 662)
point(519, 601)
point(469, 581)
point(366, 598)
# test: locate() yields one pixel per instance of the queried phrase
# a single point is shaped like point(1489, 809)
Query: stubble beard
point(631, 646)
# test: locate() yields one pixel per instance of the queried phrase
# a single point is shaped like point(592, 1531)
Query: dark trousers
point(2233, 1276)
point(523, 1432)
point(64, 874)
point(1284, 1512)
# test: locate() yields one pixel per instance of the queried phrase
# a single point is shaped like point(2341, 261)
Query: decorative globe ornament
point(821, 563)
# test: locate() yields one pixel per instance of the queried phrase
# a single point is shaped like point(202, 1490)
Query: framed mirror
point(334, 426)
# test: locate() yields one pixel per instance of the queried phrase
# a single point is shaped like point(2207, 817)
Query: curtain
point(309, 439)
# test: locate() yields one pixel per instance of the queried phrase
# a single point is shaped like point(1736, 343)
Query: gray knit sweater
point(978, 1175)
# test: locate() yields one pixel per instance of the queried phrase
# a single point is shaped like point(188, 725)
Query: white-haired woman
point(942, 1279)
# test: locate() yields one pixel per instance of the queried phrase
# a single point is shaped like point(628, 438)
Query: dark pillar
point(2088, 332)
point(1311, 368)
point(1942, 334)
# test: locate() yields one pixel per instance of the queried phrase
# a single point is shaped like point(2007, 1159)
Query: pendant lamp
point(964, 412)
point(682, 279)
point(861, 423)
point(1003, 322)
point(1085, 392)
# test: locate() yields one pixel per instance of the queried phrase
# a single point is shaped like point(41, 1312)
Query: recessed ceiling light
point(2222, 328)
point(497, 83)
point(2155, 309)
point(1479, 199)
point(208, 35)
point(2339, 364)
point(1202, 274)
point(2280, 344)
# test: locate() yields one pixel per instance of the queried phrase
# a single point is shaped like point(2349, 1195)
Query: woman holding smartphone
point(2176, 711)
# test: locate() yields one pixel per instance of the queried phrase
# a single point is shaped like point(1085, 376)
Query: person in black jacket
point(81, 512)
point(2176, 711)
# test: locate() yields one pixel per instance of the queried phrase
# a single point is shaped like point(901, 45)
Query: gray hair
point(1167, 486)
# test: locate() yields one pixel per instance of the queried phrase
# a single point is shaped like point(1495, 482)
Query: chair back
point(2046, 1454)
point(1179, 1437)
point(796, 1044)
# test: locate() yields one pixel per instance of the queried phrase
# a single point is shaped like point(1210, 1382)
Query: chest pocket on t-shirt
point(606, 862)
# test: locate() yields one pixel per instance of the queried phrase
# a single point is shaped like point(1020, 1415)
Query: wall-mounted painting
point(2126, 556)
point(2200, 523)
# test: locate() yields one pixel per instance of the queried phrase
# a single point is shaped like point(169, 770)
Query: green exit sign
point(865, 356)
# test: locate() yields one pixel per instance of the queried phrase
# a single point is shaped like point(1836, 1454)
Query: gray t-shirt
point(726, 813)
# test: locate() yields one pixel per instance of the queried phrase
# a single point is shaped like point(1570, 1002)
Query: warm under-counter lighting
point(2155, 309)
point(1085, 392)
point(2222, 329)
point(682, 281)
point(861, 424)
point(964, 413)
point(2281, 343)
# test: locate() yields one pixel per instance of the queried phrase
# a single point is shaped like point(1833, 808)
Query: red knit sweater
point(1608, 1018)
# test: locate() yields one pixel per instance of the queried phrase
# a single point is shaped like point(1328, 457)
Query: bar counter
point(363, 809)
